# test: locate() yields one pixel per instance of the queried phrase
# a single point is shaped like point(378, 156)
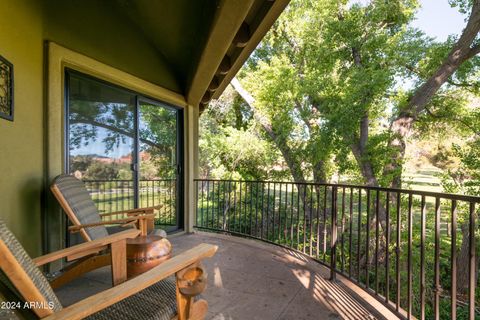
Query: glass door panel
point(101, 135)
point(159, 161)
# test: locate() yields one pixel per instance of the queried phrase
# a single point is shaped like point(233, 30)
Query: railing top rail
point(104, 180)
point(448, 196)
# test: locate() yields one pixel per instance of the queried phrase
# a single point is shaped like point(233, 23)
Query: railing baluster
point(471, 265)
point(298, 215)
point(350, 260)
point(245, 212)
point(212, 211)
point(436, 301)
point(377, 238)
point(203, 203)
point(333, 238)
point(224, 207)
point(387, 249)
point(310, 220)
point(367, 243)
point(279, 233)
point(422, 259)
point(103, 196)
point(219, 203)
point(409, 257)
point(171, 202)
point(262, 211)
point(268, 209)
point(324, 235)
point(240, 209)
point(196, 202)
point(318, 223)
point(291, 214)
point(453, 257)
point(285, 214)
point(148, 195)
point(116, 199)
point(398, 252)
point(208, 205)
point(304, 200)
point(343, 230)
point(274, 209)
point(359, 235)
point(229, 218)
point(251, 210)
point(234, 228)
point(256, 212)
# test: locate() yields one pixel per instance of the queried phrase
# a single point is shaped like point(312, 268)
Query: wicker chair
point(152, 295)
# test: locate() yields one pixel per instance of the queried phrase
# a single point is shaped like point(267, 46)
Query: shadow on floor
point(252, 280)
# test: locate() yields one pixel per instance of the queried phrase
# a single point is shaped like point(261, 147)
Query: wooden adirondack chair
point(75, 200)
point(152, 295)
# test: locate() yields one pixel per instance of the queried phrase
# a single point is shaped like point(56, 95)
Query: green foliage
point(325, 67)
point(102, 171)
point(231, 145)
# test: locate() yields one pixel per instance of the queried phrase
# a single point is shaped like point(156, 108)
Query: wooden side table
point(146, 252)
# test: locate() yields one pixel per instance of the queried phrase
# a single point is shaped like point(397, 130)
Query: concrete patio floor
point(248, 279)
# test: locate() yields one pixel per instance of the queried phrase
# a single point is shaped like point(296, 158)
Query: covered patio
point(248, 279)
point(86, 78)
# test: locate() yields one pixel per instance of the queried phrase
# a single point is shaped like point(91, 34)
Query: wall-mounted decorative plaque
point(6, 89)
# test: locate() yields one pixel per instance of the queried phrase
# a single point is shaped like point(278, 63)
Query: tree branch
point(473, 52)
point(294, 166)
point(456, 119)
point(117, 130)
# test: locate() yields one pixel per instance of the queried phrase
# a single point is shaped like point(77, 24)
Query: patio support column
point(191, 165)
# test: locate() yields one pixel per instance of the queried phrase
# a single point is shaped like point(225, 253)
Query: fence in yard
point(117, 195)
point(393, 243)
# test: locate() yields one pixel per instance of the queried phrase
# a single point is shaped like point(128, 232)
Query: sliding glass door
point(159, 169)
point(125, 147)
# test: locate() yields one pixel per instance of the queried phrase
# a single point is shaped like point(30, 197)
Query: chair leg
point(186, 290)
point(119, 262)
point(81, 267)
point(184, 305)
point(199, 310)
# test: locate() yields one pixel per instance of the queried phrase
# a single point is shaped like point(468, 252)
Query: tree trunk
point(293, 164)
point(463, 261)
point(402, 126)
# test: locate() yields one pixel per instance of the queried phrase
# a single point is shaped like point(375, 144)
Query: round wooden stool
point(146, 252)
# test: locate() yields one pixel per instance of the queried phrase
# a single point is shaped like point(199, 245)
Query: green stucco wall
point(99, 30)
point(21, 141)
point(81, 26)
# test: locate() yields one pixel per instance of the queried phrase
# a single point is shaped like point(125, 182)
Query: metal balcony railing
point(117, 195)
point(414, 251)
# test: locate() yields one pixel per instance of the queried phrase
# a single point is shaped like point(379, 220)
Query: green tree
point(231, 145)
point(330, 73)
point(102, 171)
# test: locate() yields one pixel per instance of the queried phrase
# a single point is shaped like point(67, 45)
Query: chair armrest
point(145, 210)
point(86, 247)
point(113, 295)
point(117, 221)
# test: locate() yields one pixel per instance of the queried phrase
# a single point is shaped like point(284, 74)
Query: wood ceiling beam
point(228, 19)
point(256, 36)
point(243, 36)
